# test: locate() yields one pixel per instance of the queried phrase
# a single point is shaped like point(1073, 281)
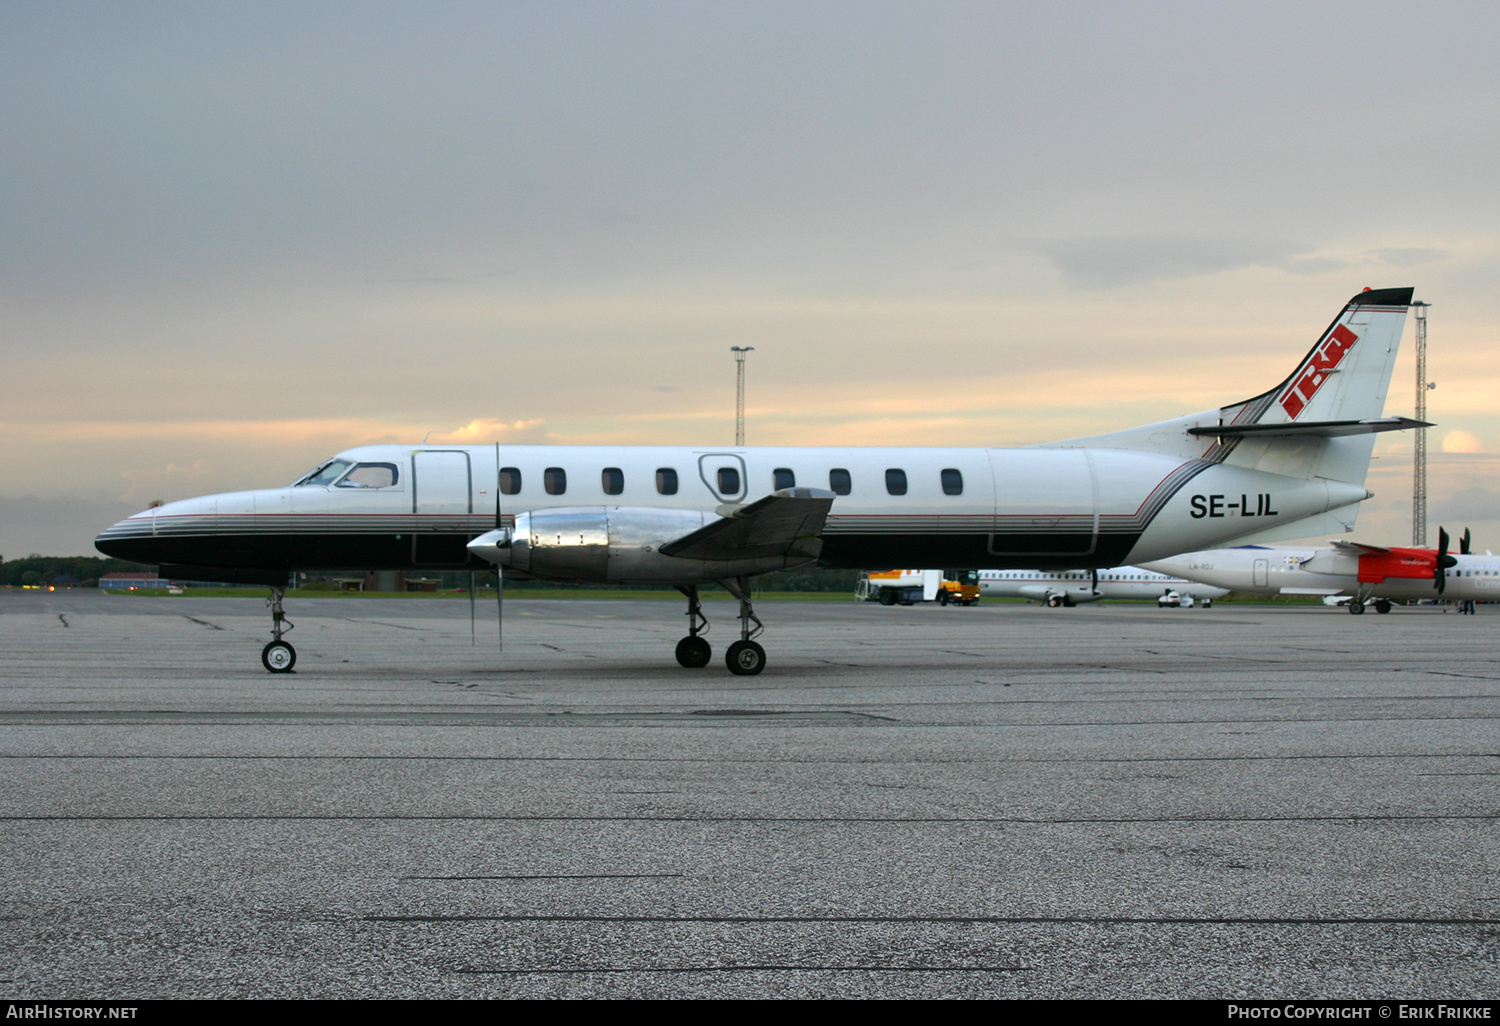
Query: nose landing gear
point(278, 656)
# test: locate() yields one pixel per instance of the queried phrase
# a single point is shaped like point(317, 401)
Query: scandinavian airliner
point(1077, 587)
point(1362, 572)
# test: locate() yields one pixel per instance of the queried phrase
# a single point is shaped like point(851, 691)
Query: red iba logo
point(1324, 360)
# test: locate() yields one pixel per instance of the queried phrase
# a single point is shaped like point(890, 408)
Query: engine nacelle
point(612, 545)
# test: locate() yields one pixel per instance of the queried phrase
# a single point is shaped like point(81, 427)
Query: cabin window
point(510, 481)
point(782, 477)
point(666, 481)
point(371, 475)
point(953, 482)
point(729, 481)
point(839, 482)
point(555, 480)
point(614, 480)
point(895, 481)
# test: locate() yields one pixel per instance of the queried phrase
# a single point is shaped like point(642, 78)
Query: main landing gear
point(278, 656)
point(1357, 603)
point(745, 658)
point(693, 651)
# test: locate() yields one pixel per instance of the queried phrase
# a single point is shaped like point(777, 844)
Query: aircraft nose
point(129, 538)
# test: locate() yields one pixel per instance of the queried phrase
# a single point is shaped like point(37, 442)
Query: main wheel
point(1382, 606)
point(745, 658)
point(278, 657)
point(694, 653)
point(1054, 601)
point(1356, 607)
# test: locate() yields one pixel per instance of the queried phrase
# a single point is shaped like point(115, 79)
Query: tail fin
point(1317, 423)
point(1343, 378)
point(1322, 420)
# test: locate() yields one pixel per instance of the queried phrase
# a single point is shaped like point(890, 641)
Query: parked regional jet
point(1286, 463)
point(1075, 587)
point(1346, 568)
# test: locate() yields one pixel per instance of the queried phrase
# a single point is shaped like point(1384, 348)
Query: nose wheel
point(278, 656)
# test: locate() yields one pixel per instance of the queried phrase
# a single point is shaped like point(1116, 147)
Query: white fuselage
point(1327, 571)
point(417, 506)
point(1077, 586)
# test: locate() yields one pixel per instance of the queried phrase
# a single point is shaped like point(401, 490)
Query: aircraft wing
point(788, 522)
point(1358, 548)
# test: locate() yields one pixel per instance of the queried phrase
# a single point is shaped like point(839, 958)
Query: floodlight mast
point(739, 392)
point(1419, 442)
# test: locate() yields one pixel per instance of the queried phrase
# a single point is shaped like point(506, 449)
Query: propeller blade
point(500, 605)
point(1463, 543)
point(1094, 580)
point(1443, 562)
point(473, 640)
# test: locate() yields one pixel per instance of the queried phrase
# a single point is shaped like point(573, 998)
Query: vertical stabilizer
point(1344, 377)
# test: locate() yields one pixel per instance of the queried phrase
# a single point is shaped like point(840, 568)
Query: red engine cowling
point(1412, 564)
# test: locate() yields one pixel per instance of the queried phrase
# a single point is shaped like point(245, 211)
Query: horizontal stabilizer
point(1313, 429)
point(787, 522)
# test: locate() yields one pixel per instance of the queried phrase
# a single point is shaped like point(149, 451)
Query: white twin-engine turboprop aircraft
point(1362, 572)
point(1288, 463)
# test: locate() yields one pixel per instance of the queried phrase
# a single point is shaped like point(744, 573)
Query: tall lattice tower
point(1419, 443)
point(739, 391)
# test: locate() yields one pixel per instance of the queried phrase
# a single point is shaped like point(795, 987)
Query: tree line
point(36, 569)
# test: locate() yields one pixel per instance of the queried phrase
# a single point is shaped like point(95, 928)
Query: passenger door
point(441, 498)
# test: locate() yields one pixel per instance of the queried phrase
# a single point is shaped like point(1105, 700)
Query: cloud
point(1314, 265)
point(153, 483)
point(56, 526)
point(518, 432)
point(1408, 256)
point(1114, 261)
point(1473, 503)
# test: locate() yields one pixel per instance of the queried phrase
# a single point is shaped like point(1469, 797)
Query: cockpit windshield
point(327, 474)
point(371, 475)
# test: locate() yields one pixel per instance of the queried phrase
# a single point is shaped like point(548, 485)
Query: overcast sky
point(235, 238)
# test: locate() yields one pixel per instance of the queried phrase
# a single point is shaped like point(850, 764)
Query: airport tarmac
point(1005, 801)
